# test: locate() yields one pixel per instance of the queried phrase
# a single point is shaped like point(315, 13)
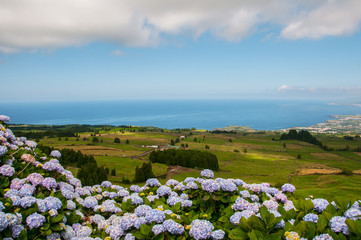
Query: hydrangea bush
point(39, 199)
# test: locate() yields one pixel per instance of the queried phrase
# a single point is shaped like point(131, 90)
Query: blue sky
point(107, 50)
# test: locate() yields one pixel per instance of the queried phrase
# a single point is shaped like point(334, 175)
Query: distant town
point(350, 124)
point(344, 124)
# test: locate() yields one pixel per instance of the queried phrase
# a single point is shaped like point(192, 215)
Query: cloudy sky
point(136, 49)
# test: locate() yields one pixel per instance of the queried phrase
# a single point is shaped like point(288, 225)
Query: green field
point(253, 157)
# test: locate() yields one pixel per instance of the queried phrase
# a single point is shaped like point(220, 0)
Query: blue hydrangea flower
point(207, 173)
point(106, 184)
point(55, 154)
point(171, 182)
point(353, 213)
point(6, 170)
point(218, 234)
point(163, 190)
point(4, 118)
point(173, 227)
point(53, 203)
point(210, 185)
point(153, 182)
point(90, 202)
point(288, 188)
point(49, 183)
point(192, 185)
point(35, 178)
point(16, 230)
point(189, 179)
point(187, 203)
point(35, 220)
point(338, 224)
point(141, 210)
point(158, 229)
point(319, 204)
point(26, 190)
point(173, 201)
point(310, 217)
point(17, 183)
point(116, 232)
point(127, 221)
point(155, 215)
point(271, 205)
point(201, 229)
point(129, 236)
point(228, 186)
point(3, 221)
point(26, 202)
point(324, 236)
point(238, 215)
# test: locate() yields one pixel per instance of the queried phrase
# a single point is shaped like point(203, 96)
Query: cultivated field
point(254, 157)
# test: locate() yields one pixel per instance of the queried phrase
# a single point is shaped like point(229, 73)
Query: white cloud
point(33, 24)
point(332, 18)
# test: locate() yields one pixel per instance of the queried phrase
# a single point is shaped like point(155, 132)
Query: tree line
point(89, 172)
point(302, 135)
point(185, 158)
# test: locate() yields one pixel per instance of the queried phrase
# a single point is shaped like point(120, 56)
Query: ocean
point(171, 114)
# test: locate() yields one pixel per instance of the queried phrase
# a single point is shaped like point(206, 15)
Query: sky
point(83, 50)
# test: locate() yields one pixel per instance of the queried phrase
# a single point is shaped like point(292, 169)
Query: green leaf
point(177, 207)
point(56, 227)
point(145, 229)
point(223, 219)
point(159, 237)
point(237, 234)
point(45, 226)
point(57, 219)
point(274, 236)
point(138, 235)
point(206, 197)
point(321, 223)
point(256, 235)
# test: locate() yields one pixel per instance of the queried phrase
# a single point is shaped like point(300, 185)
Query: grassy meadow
point(253, 157)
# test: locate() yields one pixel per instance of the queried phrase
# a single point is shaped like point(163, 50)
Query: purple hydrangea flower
point(173, 227)
point(310, 217)
point(16, 230)
point(228, 186)
point(270, 204)
point(6, 170)
point(153, 182)
point(35, 178)
point(35, 220)
point(106, 184)
point(129, 236)
point(323, 236)
point(338, 224)
point(207, 173)
point(26, 202)
point(192, 185)
point(53, 203)
point(210, 185)
point(49, 183)
point(353, 213)
point(218, 234)
point(201, 229)
point(116, 232)
point(41, 205)
point(31, 144)
point(163, 190)
point(155, 215)
point(3, 150)
point(238, 215)
point(319, 204)
point(90, 202)
point(288, 188)
point(26, 190)
point(281, 197)
point(141, 210)
point(171, 182)
point(158, 229)
point(134, 188)
point(4, 118)
point(55, 154)
point(3, 221)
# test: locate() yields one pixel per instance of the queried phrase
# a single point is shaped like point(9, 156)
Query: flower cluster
point(40, 199)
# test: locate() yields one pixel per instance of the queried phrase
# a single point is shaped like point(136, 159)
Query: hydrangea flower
point(310, 217)
point(338, 224)
point(163, 190)
point(210, 185)
point(53, 203)
point(141, 210)
point(3, 221)
point(158, 229)
point(155, 215)
point(3, 150)
point(207, 173)
point(353, 213)
point(49, 183)
point(173, 227)
point(90, 202)
point(55, 154)
point(134, 188)
point(129, 236)
point(324, 236)
point(6, 170)
point(35, 220)
point(4, 118)
point(288, 188)
point(153, 182)
point(201, 229)
point(319, 204)
point(218, 234)
point(35, 178)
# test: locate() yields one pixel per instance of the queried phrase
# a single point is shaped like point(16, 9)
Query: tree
point(230, 140)
point(186, 144)
point(195, 139)
point(172, 142)
point(127, 141)
point(95, 140)
point(116, 140)
point(206, 147)
point(113, 172)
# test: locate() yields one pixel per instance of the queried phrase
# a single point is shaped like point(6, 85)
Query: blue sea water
point(200, 114)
